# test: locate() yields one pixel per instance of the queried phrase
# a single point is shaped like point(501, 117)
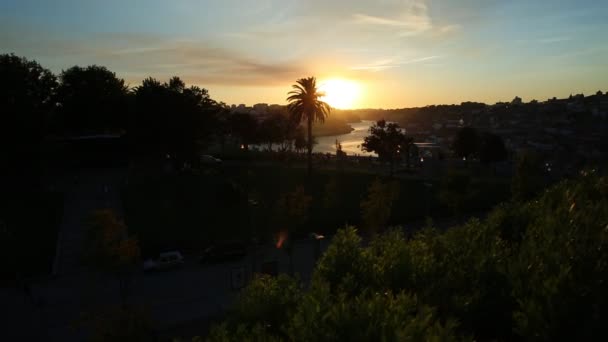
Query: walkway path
point(85, 191)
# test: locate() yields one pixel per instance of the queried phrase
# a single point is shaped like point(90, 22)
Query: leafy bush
point(268, 301)
point(530, 271)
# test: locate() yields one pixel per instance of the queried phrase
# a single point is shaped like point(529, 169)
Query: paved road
point(85, 191)
point(192, 293)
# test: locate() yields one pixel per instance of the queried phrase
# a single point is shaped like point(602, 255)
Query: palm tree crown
point(305, 104)
point(304, 101)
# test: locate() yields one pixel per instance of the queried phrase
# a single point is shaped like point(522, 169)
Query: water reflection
point(351, 142)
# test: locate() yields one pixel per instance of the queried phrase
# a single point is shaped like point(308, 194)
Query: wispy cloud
point(369, 19)
point(385, 64)
point(412, 19)
point(447, 29)
point(552, 40)
point(136, 57)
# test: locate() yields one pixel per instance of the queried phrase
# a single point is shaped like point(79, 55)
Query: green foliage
point(109, 248)
point(292, 210)
point(369, 316)
point(343, 304)
point(242, 332)
point(269, 301)
point(530, 271)
point(528, 179)
point(345, 265)
point(455, 190)
point(376, 208)
point(559, 274)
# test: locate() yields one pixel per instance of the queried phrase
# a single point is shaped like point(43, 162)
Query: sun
point(340, 93)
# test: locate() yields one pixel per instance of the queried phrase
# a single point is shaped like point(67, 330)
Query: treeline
point(158, 118)
point(529, 271)
point(417, 114)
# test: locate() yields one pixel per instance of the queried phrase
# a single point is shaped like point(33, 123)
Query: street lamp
point(318, 238)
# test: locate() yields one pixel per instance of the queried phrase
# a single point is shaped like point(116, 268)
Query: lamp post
point(318, 238)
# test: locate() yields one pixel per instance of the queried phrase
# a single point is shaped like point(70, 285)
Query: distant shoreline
point(329, 131)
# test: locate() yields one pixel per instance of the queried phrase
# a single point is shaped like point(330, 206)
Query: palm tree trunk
point(407, 156)
point(309, 144)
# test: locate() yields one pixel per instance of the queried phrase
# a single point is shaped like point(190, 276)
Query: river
point(351, 142)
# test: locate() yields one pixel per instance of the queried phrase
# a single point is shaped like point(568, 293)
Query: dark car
point(224, 252)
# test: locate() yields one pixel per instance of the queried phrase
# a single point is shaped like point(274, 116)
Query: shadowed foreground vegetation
point(188, 211)
point(529, 271)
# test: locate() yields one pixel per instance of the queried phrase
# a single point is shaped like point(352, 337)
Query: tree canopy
point(171, 119)
point(91, 100)
point(388, 141)
point(26, 100)
point(530, 270)
point(466, 142)
point(492, 148)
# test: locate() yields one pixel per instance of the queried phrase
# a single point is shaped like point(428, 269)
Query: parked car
point(206, 159)
point(165, 261)
point(224, 253)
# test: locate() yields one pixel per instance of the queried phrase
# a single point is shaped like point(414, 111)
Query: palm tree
point(304, 104)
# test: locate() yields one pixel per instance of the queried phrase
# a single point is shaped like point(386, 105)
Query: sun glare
point(340, 93)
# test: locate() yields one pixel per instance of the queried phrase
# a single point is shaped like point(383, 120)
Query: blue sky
point(401, 52)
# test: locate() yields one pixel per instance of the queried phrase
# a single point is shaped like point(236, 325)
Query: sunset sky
point(398, 53)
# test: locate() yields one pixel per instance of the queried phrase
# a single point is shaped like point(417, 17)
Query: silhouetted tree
point(299, 142)
point(340, 155)
point(172, 119)
point(388, 141)
point(466, 143)
point(273, 130)
point(92, 100)
point(245, 127)
point(221, 124)
point(305, 104)
point(492, 148)
point(26, 99)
